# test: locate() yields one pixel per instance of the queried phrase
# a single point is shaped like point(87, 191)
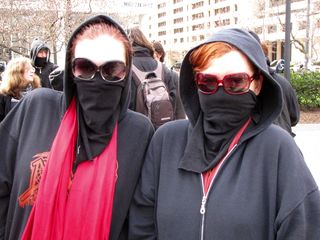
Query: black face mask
point(40, 61)
point(223, 116)
point(98, 108)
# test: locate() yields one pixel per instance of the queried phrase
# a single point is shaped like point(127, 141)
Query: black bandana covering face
point(40, 61)
point(98, 108)
point(223, 115)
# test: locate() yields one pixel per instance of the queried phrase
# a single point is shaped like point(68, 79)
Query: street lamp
point(287, 45)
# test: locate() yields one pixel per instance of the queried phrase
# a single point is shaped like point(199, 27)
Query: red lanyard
point(209, 175)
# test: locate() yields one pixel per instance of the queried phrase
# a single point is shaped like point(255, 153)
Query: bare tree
point(305, 44)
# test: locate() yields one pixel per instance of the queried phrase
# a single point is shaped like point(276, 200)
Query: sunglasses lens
point(83, 68)
point(237, 83)
point(113, 71)
point(206, 83)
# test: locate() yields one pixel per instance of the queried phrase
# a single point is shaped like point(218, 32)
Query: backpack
point(153, 99)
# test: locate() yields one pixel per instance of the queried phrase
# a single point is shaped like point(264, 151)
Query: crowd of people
point(79, 160)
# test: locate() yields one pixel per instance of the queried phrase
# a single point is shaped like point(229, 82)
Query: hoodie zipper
point(206, 194)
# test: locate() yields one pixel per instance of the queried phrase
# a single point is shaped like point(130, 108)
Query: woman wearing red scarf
point(70, 161)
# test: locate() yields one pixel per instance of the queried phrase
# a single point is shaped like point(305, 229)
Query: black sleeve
point(56, 79)
point(2, 107)
point(172, 82)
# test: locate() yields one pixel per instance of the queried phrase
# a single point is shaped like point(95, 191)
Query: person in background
point(290, 113)
point(143, 59)
point(227, 172)
point(40, 55)
point(18, 79)
point(159, 54)
point(70, 160)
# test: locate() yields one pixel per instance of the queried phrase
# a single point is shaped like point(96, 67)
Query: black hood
point(270, 95)
point(69, 86)
point(96, 121)
point(36, 46)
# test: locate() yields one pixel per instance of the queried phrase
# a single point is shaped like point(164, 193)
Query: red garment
point(84, 211)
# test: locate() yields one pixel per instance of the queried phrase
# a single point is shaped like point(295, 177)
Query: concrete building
point(181, 24)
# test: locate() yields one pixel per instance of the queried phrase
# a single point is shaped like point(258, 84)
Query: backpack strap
point(140, 76)
point(158, 71)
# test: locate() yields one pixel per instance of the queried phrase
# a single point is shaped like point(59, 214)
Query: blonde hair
point(13, 78)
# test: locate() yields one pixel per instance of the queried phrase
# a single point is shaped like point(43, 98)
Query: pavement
point(308, 139)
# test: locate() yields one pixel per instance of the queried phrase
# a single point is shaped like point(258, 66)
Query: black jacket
point(5, 106)
point(290, 113)
point(145, 62)
point(263, 189)
point(27, 134)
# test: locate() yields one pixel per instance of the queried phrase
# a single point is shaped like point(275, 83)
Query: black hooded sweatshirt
point(42, 71)
point(27, 134)
point(263, 189)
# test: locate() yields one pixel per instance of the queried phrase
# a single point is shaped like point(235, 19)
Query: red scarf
point(82, 210)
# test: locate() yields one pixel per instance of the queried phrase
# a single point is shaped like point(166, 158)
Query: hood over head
point(270, 95)
point(96, 118)
point(36, 46)
point(211, 132)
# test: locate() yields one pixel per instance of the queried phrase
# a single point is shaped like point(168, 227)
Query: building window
point(178, 20)
point(162, 33)
point(197, 16)
point(181, 40)
point(258, 30)
point(194, 38)
point(197, 5)
point(272, 29)
point(223, 10)
point(177, 1)
point(161, 24)
point(221, 23)
point(163, 14)
point(197, 27)
point(161, 5)
point(177, 10)
point(274, 3)
point(178, 30)
point(302, 25)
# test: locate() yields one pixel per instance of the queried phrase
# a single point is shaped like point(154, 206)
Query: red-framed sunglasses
point(234, 84)
point(112, 71)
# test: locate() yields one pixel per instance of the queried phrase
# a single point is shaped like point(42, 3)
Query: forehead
point(43, 50)
point(231, 62)
point(101, 49)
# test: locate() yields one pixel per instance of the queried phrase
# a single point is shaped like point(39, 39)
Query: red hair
point(201, 57)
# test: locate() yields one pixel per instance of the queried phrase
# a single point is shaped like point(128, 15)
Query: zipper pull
point(203, 205)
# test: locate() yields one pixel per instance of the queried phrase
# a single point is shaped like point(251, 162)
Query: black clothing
point(262, 190)
point(43, 67)
point(143, 60)
point(290, 114)
point(27, 134)
point(56, 79)
point(5, 106)
point(222, 116)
